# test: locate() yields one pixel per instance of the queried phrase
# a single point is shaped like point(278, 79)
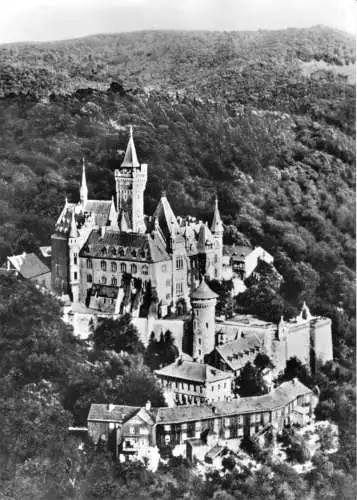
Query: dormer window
point(104, 251)
point(133, 253)
point(121, 252)
point(113, 251)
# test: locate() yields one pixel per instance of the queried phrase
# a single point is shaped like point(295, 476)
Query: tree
point(296, 369)
point(250, 381)
point(161, 352)
point(117, 334)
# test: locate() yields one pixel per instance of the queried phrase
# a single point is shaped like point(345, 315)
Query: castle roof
point(130, 158)
point(166, 218)
point(233, 352)
point(203, 292)
point(111, 413)
point(135, 247)
point(98, 209)
point(205, 237)
point(193, 371)
point(28, 265)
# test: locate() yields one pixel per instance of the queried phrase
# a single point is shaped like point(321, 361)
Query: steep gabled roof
point(98, 209)
point(230, 352)
point(205, 238)
point(166, 219)
point(116, 413)
point(217, 224)
point(28, 265)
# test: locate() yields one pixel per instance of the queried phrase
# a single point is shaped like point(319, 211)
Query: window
point(164, 268)
point(113, 251)
point(104, 280)
point(75, 275)
point(145, 270)
point(75, 259)
point(227, 422)
point(132, 429)
point(114, 281)
point(111, 426)
point(123, 267)
point(133, 253)
point(199, 341)
point(167, 428)
point(199, 352)
point(89, 278)
point(168, 296)
point(212, 388)
point(121, 252)
point(215, 273)
point(103, 265)
point(216, 259)
point(133, 269)
point(179, 288)
point(179, 262)
point(89, 264)
point(114, 267)
point(104, 251)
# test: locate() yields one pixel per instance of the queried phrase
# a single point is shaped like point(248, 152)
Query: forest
point(244, 115)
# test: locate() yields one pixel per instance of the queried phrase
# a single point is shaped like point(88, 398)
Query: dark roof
point(231, 350)
point(193, 371)
point(28, 265)
point(125, 246)
point(279, 397)
point(237, 251)
point(166, 219)
point(203, 291)
point(118, 413)
point(98, 209)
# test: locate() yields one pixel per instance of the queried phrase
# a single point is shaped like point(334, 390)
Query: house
point(29, 267)
point(222, 421)
point(190, 382)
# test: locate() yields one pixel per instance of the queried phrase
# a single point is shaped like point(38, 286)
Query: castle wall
point(146, 326)
point(298, 342)
point(321, 340)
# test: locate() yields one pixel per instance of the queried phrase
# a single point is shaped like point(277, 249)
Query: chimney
point(148, 406)
point(294, 380)
point(102, 231)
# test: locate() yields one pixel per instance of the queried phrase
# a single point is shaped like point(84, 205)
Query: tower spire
point(130, 158)
point(217, 224)
point(83, 192)
point(73, 231)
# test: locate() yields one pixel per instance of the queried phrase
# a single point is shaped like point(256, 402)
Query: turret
point(83, 191)
point(203, 301)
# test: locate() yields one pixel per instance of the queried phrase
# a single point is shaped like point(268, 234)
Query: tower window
point(179, 288)
point(123, 267)
point(89, 278)
point(75, 275)
point(89, 264)
point(114, 267)
point(206, 325)
point(199, 341)
point(75, 259)
point(103, 265)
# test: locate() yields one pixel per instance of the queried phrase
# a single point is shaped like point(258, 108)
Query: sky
point(39, 20)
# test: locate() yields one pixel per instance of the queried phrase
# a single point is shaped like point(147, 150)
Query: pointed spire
point(65, 201)
point(217, 224)
point(83, 192)
point(73, 231)
point(130, 158)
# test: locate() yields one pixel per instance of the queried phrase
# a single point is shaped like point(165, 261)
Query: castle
point(111, 258)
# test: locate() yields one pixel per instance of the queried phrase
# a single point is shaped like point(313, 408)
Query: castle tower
point(83, 191)
point(217, 233)
point(73, 250)
point(206, 252)
point(130, 180)
point(203, 301)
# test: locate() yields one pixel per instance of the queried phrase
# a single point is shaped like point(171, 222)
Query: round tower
point(203, 301)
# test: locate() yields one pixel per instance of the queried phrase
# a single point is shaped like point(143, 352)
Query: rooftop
point(193, 371)
point(232, 352)
point(28, 265)
point(203, 291)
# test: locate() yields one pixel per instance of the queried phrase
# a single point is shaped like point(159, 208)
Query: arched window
point(103, 265)
point(133, 269)
point(114, 281)
point(89, 264)
point(114, 267)
point(104, 280)
point(123, 267)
